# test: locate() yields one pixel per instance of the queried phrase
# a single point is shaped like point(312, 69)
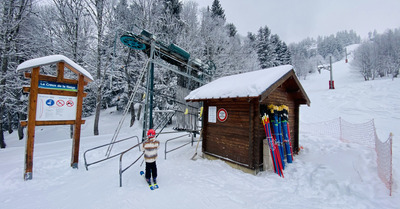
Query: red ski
point(273, 147)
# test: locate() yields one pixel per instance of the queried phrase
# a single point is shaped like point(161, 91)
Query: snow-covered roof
point(251, 84)
point(47, 60)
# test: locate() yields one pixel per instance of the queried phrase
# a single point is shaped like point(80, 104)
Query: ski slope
point(327, 173)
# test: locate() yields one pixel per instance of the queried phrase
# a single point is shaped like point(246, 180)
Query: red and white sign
point(222, 115)
point(60, 103)
point(70, 103)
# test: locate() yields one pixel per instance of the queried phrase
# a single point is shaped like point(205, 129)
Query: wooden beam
point(33, 94)
point(60, 72)
point(77, 127)
point(52, 123)
point(251, 157)
point(86, 80)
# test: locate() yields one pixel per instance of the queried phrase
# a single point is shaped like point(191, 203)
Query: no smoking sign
point(222, 115)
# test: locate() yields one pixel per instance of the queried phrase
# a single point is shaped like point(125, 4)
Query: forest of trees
point(379, 56)
point(309, 53)
point(88, 32)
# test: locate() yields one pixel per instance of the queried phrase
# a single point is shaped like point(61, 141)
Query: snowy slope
point(327, 173)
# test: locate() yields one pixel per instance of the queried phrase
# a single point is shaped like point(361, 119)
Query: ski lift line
point(164, 111)
point(172, 98)
point(179, 72)
point(127, 108)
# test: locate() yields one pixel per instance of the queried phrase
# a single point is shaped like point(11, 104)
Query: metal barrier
point(109, 157)
point(166, 142)
point(121, 171)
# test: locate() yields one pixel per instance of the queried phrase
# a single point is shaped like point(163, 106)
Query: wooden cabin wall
point(281, 97)
point(230, 139)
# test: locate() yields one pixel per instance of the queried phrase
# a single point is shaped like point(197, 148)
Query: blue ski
point(286, 133)
point(151, 186)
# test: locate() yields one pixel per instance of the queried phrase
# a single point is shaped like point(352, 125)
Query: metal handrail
point(109, 157)
point(121, 171)
point(166, 142)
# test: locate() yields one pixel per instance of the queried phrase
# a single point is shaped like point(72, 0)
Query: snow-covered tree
point(217, 11)
point(265, 50)
point(379, 56)
point(98, 10)
point(364, 60)
point(13, 15)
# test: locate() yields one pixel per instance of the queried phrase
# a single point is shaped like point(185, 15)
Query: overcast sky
point(294, 20)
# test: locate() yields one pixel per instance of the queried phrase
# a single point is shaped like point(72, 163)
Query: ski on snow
point(151, 186)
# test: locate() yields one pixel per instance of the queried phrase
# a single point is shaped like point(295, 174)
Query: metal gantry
point(158, 53)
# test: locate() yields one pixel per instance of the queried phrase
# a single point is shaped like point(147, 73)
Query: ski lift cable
point(127, 107)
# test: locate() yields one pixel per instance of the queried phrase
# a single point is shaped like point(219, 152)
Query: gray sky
point(294, 20)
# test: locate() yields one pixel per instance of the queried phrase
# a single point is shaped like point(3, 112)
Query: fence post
point(391, 164)
point(340, 129)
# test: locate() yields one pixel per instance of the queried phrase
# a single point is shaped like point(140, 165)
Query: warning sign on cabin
point(55, 107)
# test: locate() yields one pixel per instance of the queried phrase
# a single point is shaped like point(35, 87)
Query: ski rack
point(108, 157)
point(166, 142)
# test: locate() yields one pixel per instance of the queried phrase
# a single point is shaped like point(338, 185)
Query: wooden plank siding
point(229, 139)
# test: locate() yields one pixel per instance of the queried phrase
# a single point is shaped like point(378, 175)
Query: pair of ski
point(280, 115)
point(284, 114)
point(273, 147)
point(279, 141)
point(151, 186)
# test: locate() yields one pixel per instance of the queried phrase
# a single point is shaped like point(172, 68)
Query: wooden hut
point(232, 126)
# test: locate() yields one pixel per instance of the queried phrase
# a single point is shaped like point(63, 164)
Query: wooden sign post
point(53, 101)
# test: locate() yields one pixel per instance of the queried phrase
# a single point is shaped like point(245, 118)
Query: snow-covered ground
point(327, 173)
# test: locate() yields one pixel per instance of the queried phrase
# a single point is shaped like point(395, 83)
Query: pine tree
point(217, 11)
point(264, 48)
point(231, 29)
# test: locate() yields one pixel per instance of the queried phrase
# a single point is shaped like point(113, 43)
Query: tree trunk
point(97, 113)
point(20, 128)
point(139, 111)
point(99, 4)
point(2, 142)
point(133, 118)
point(10, 130)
